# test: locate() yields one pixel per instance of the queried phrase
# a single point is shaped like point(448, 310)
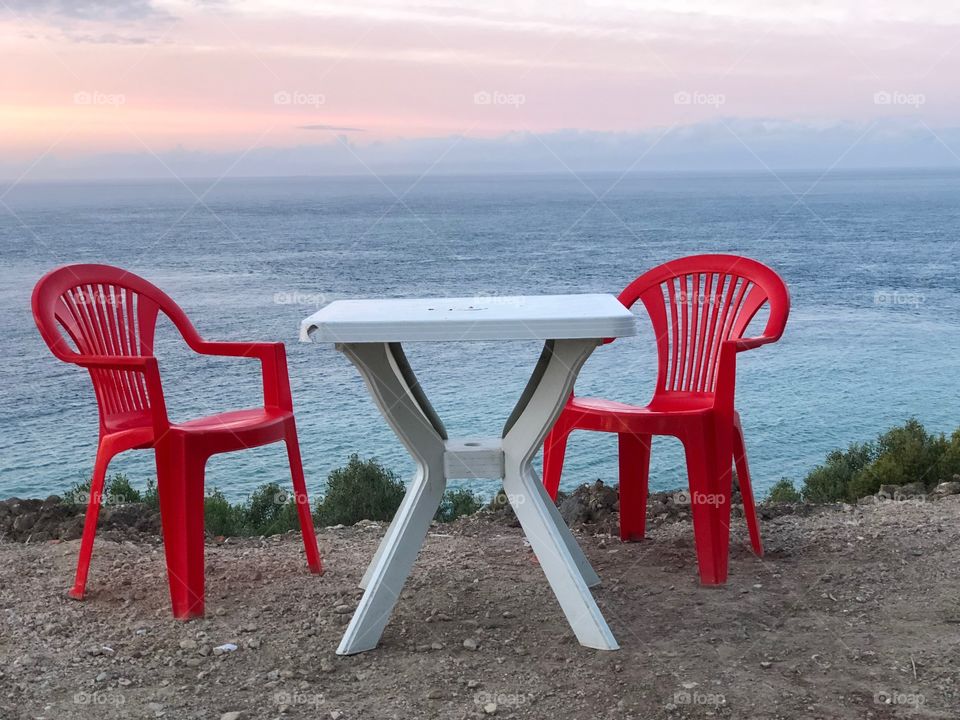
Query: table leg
point(384, 579)
point(562, 560)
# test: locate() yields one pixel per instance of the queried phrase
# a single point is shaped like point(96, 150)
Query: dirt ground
point(853, 613)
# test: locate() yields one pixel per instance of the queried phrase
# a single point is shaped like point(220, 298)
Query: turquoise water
point(871, 260)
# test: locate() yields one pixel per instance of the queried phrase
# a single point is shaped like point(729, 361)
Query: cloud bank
point(721, 145)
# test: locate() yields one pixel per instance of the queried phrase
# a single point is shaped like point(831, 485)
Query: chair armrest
point(273, 360)
point(114, 362)
point(754, 342)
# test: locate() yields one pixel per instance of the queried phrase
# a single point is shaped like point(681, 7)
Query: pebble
point(327, 666)
point(188, 644)
point(435, 694)
point(342, 609)
point(471, 644)
point(490, 708)
point(232, 715)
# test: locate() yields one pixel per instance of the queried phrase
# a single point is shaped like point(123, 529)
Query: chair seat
point(671, 402)
point(235, 421)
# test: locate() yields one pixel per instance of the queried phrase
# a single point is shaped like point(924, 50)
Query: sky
point(144, 88)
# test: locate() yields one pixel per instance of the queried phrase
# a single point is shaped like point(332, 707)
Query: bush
point(902, 455)
point(116, 489)
point(784, 491)
point(221, 517)
point(457, 503)
point(151, 497)
point(271, 510)
point(905, 454)
point(363, 490)
point(830, 482)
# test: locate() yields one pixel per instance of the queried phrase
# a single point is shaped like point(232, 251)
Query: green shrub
point(151, 497)
point(783, 491)
point(457, 503)
point(271, 510)
point(120, 490)
point(905, 454)
point(363, 490)
point(116, 489)
point(830, 482)
point(221, 517)
point(902, 455)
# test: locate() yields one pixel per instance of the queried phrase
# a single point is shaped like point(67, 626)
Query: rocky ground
point(854, 612)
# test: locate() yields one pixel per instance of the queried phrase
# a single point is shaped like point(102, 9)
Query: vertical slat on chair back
point(111, 320)
point(696, 304)
point(701, 311)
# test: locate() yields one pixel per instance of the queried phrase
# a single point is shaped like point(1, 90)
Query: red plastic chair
point(110, 315)
point(700, 307)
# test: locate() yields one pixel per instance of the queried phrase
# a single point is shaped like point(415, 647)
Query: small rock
point(951, 487)
point(765, 664)
point(490, 708)
point(327, 666)
point(188, 644)
point(232, 715)
point(471, 644)
point(342, 609)
point(435, 694)
point(103, 677)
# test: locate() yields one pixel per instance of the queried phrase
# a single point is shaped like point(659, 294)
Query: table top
point(524, 317)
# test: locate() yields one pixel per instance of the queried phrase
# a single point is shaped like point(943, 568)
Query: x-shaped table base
point(401, 400)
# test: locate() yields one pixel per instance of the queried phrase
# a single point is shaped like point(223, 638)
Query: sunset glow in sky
point(134, 76)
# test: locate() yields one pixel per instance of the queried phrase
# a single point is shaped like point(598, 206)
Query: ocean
point(870, 258)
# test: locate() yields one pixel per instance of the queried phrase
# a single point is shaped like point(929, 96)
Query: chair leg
point(303, 503)
point(634, 469)
point(709, 500)
point(90, 523)
point(180, 471)
point(746, 491)
point(554, 450)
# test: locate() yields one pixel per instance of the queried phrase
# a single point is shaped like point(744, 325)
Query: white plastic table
point(370, 333)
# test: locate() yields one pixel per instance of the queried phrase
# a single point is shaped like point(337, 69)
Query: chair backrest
point(698, 302)
point(106, 312)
